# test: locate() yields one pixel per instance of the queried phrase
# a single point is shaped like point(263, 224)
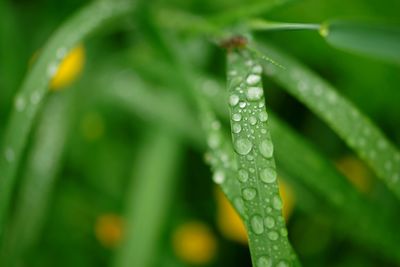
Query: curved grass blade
point(340, 114)
point(34, 87)
point(148, 199)
point(43, 164)
point(256, 166)
point(359, 217)
point(372, 39)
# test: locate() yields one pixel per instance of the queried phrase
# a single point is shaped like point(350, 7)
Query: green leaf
point(377, 40)
point(256, 166)
point(39, 176)
point(148, 198)
point(35, 86)
point(341, 115)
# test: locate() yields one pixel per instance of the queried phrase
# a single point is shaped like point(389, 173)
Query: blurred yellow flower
point(194, 243)
point(230, 224)
point(108, 230)
point(356, 172)
point(69, 69)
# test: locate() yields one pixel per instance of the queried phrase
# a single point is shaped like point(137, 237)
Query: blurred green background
point(85, 213)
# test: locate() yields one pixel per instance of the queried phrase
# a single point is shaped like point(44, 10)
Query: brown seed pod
point(235, 42)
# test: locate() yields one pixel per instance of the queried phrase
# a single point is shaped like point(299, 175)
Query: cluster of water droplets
point(255, 150)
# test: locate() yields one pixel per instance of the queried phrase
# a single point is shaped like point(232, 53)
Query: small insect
point(235, 42)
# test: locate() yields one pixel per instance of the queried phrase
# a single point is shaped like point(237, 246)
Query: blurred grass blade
point(220, 156)
point(362, 219)
point(256, 166)
point(35, 86)
point(148, 199)
point(249, 9)
point(39, 177)
point(376, 40)
point(340, 114)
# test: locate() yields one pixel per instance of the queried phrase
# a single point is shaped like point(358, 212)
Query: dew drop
point(243, 146)
point(254, 93)
point(253, 79)
point(263, 116)
point(216, 125)
point(233, 100)
point(236, 117)
point(239, 205)
point(257, 69)
point(257, 224)
point(243, 176)
point(236, 128)
point(264, 262)
point(284, 232)
point(249, 193)
point(213, 141)
point(20, 103)
point(61, 52)
point(10, 155)
point(277, 203)
point(242, 104)
point(268, 175)
point(269, 222)
point(52, 69)
point(266, 148)
point(273, 235)
point(253, 120)
point(219, 177)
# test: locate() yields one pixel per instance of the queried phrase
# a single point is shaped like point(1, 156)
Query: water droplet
point(253, 79)
point(269, 222)
point(249, 63)
point(257, 224)
point(236, 128)
point(232, 73)
point(35, 97)
point(242, 104)
point(249, 193)
point(282, 264)
point(215, 125)
point(243, 176)
point(264, 262)
point(277, 203)
point(284, 232)
point(266, 148)
point(213, 140)
point(52, 69)
point(20, 103)
point(243, 146)
point(233, 100)
point(61, 52)
point(268, 175)
point(253, 120)
point(239, 205)
point(254, 93)
point(9, 154)
point(263, 116)
point(273, 235)
point(219, 177)
point(257, 69)
point(236, 117)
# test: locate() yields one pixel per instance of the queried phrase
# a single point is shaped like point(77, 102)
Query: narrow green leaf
point(148, 199)
point(43, 163)
point(381, 41)
point(35, 86)
point(256, 166)
point(340, 114)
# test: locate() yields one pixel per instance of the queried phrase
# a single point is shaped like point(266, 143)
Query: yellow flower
point(194, 243)
point(231, 225)
point(356, 172)
point(69, 69)
point(108, 230)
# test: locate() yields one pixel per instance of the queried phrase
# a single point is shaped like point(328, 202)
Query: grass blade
point(340, 114)
point(372, 39)
point(148, 199)
point(34, 87)
point(43, 163)
point(256, 166)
